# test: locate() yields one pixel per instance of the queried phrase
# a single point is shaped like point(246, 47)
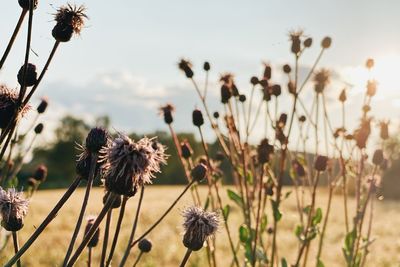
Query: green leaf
point(13, 182)
point(275, 210)
point(307, 209)
point(299, 232)
point(264, 222)
point(317, 217)
point(287, 194)
point(225, 211)
point(320, 263)
point(235, 197)
point(244, 234)
point(284, 262)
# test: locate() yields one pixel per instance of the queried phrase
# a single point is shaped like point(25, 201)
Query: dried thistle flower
point(166, 111)
point(129, 164)
point(361, 135)
point(186, 149)
point(40, 173)
point(342, 96)
point(267, 72)
point(307, 42)
point(326, 42)
point(287, 69)
point(206, 66)
point(96, 139)
point(70, 20)
point(378, 157)
point(186, 67)
point(264, 151)
point(43, 105)
point(13, 208)
point(199, 172)
point(384, 130)
point(197, 118)
point(30, 75)
point(145, 245)
point(24, 4)
point(321, 80)
point(225, 94)
point(38, 128)
point(199, 225)
point(295, 37)
point(8, 106)
point(320, 163)
point(96, 236)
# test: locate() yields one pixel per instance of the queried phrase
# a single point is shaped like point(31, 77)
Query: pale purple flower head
point(13, 208)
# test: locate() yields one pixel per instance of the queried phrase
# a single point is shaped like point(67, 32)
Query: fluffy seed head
point(70, 20)
point(129, 164)
point(13, 208)
point(198, 225)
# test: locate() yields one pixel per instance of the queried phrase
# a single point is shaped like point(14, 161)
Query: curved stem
point(92, 171)
point(138, 259)
point(128, 248)
point(43, 225)
point(117, 230)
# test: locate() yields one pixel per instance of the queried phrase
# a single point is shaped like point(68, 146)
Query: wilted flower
point(43, 105)
point(70, 20)
point(13, 208)
point(296, 42)
point(40, 173)
point(145, 245)
point(96, 236)
point(8, 105)
point(96, 139)
point(321, 80)
point(321, 163)
point(129, 164)
point(199, 172)
point(198, 225)
point(186, 67)
point(166, 111)
point(30, 75)
point(264, 151)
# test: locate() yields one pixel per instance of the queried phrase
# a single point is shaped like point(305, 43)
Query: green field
point(167, 246)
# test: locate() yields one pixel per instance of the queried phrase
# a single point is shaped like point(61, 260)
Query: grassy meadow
point(168, 250)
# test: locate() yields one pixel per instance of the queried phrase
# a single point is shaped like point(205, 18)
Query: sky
point(124, 63)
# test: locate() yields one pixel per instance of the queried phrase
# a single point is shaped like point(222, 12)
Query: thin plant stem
point(321, 239)
point(371, 216)
point(151, 228)
point(258, 215)
point(16, 245)
point(138, 259)
point(186, 257)
point(89, 257)
point(117, 230)
point(89, 185)
point(13, 37)
point(105, 239)
point(92, 230)
point(43, 225)
point(132, 235)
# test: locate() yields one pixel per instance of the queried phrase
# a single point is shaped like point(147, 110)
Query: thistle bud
point(24, 4)
point(276, 90)
point(378, 157)
point(302, 118)
point(186, 67)
point(370, 63)
point(186, 149)
point(225, 94)
point(291, 88)
point(166, 111)
point(216, 114)
point(206, 66)
point(287, 69)
point(96, 139)
point(197, 118)
point(326, 42)
point(242, 98)
point(307, 42)
point(384, 130)
point(298, 168)
point(296, 42)
point(342, 96)
point(30, 75)
point(96, 236)
point(117, 202)
point(264, 151)
point(40, 173)
point(254, 80)
point(39, 128)
point(282, 120)
point(43, 105)
point(145, 245)
point(199, 172)
point(267, 72)
point(320, 163)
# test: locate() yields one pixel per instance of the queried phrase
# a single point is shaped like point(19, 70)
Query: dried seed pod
point(307, 42)
point(199, 172)
point(291, 88)
point(145, 245)
point(264, 151)
point(96, 139)
point(43, 105)
point(186, 67)
point(254, 80)
point(30, 75)
point(242, 98)
point(342, 96)
point(326, 42)
point(287, 69)
point(197, 118)
point(206, 66)
point(296, 42)
point(166, 111)
point(267, 72)
point(216, 114)
point(302, 118)
point(282, 120)
point(39, 128)
point(276, 90)
point(320, 163)
point(186, 149)
point(225, 94)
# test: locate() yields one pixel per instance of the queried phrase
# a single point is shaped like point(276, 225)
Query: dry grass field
point(168, 250)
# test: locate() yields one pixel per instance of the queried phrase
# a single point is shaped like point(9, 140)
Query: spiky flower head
point(8, 105)
point(13, 208)
point(129, 164)
point(96, 139)
point(321, 80)
point(70, 20)
point(198, 225)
